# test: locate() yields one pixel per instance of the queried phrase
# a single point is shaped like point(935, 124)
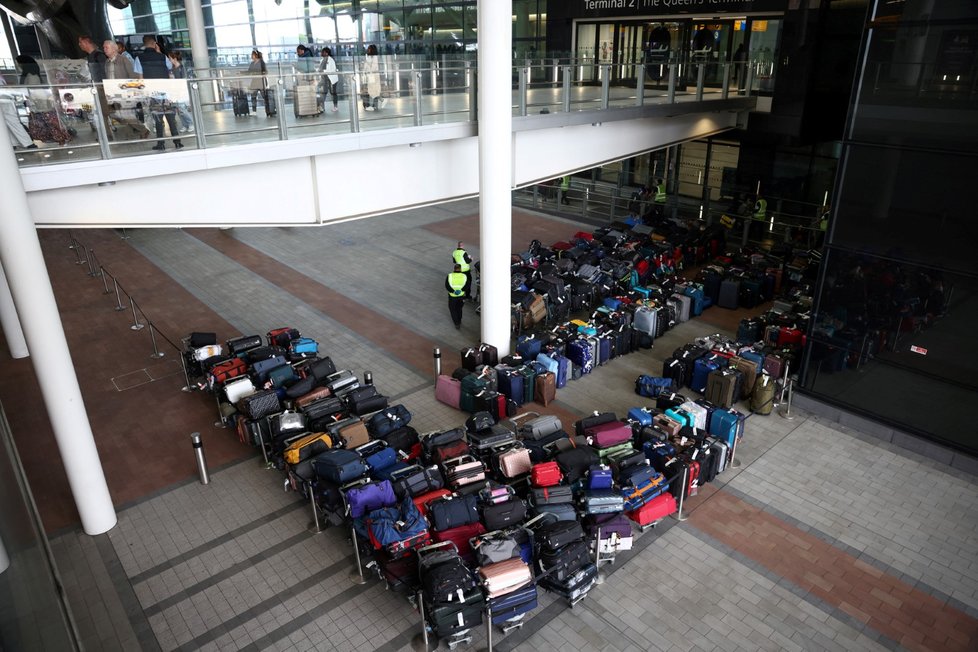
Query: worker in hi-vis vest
point(660, 192)
point(457, 284)
point(759, 218)
point(462, 258)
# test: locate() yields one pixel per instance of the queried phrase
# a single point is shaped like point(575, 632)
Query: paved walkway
point(822, 539)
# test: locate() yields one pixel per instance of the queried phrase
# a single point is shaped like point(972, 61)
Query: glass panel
point(764, 35)
point(895, 340)
point(32, 615)
point(587, 35)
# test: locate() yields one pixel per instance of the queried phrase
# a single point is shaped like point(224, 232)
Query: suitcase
point(320, 369)
point(505, 577)
point(504, 514)
point(389, 420)
point(237, 389)
point(599, 477)
point(281, 336)
point(700, 414)
point(239, 103)
point(545, 389)
point(423, 500)
point(237, 345)
point(450, 618)
point(463, 470)
point(729, 296)
point(609, 434)
point(727, 425)
point(762, 398)
point(339, 466)
point(720, 389)
point(308, 446)
point(514, 462)
point(198, 339)
point(306, 100)
point(417, 480)
point(615, 532)
point(260, 404)
point(554, 495)
point(574, 587)
point(654, 510)
point(363, 405)
point(353, 435)
point(602, 502)
point(749, 371)
point(461, 536)
point(448, 390)
point(597, 419)
point(341, 382)
point(452, 511)
point(401, 574)
point(545, 474)
point(513, 605)
point(492, 437)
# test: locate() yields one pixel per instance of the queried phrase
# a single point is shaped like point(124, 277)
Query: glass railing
point(921, 83)
point(120, 118)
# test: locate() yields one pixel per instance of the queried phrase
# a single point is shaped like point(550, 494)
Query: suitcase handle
point(544, 516)
point(435, 546)
point(514, 420)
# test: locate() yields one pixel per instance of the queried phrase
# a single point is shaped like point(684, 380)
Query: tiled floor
point(821, 539)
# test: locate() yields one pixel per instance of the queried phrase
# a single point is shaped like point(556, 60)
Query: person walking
point(758, 218)
point(330, 77)
point(258, 83)
point(463, 260)
point(154, 65)
point(457, 284)
point(370, 78)
point(565, 183)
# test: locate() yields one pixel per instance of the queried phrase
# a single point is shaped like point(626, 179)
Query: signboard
point(617, 8)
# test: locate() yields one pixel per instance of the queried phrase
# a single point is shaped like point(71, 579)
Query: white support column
point(495, 22)
point(27, 276)
point(198, 47)
point(11, 322)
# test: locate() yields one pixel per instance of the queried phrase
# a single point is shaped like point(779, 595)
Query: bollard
point(220, 415)
point(118, 300)
point(199, 453)
point(157, 354)
point(784, 383)
point(315, 527)
point(368, 378)
point(105, 284)
point(437, 364)
point(356, 576)
point(682, 494)
point(136, 326)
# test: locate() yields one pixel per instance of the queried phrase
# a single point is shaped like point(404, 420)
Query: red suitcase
point(545, 474)
point(460, 537)
point(658, 508)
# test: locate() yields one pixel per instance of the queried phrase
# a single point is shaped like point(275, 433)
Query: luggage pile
point(467, 523)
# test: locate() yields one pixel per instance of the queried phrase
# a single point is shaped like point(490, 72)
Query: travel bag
point(546, 474)
point(339, 465)
point(260, 404)
point(403, 439)
point(609, 434)
point(222, 372)
point(574, 463)
point(281, 336)
point(463, 470)
point(448, 390)
point(309, 446)
point(389, 419)
point(198, 339)
point(368, 497)
point(615, 532)
point(504, 514)
point(417, 480)
point(453, 511)
point(240, 344)
point(504, 577)
point(352, 434)
point(538, 427)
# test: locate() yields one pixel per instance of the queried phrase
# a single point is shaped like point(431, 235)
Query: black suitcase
point(448, 618)
point(239, 101)
point(237, 345)
point(271, 102)
point(368, 405)
point(197, 340)
point(403, 439)
point(260, 404)
point(594, 420)
point(494, 436)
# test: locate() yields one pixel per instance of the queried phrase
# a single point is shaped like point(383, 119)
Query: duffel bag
point(388, 420)
point(403, 439)
point(453, 511)
point(417, 480)
point(505, 514)
point(366, 498)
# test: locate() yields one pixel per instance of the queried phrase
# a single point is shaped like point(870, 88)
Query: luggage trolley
point(575, 587)
point(451, 622)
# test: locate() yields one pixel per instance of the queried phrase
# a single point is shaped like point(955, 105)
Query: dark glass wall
point(897, 298)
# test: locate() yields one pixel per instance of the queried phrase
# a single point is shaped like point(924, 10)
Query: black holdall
point(416, 480)
point(505, 514)
point(453, 511)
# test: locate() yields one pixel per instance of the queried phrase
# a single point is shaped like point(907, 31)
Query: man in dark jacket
point(153, 65)
point(96, 67)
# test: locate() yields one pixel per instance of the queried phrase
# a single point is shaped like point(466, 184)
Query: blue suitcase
point(514, 604)
point(701, 372)
point(641, 416)
point(753, 356)
point(563, 373)
point(602, 502)
point(528, 346)
point(339, 465)
point(580, 355)
point(696, 295)
point(548, 362)
point(727, 425)
point(511, 385)
point(599, 477)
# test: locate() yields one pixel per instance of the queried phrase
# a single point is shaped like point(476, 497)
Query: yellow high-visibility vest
point(459, 257)
point(456, 281)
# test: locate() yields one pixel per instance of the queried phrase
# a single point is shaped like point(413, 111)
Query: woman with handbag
point(330, 77)
point(258, 84)
point(370, 77)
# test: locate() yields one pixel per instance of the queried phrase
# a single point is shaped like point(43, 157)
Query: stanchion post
point(734, 462)
point(314, 527)
point(784, 382)
point(437, 354)
point(682, 494)
point(78, 258)
point(599, 578)
point(368, 378)
point(786, 412)
point(186, 375)
point(488, 647)
point(264, 452)
point(157, 354)
point(199, 454)
point(105, 284)
point(220, 417)
point(420, 642)
point(89, 255)
point(136, 326)
point(356, 576)
point(118, 299)
point(71, 239)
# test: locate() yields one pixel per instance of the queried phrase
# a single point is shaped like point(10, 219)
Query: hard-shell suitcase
point(237, 389)
point(306, 101)
point(654, 510)
point(505, 577)
point(514, 462)
point(729, 296)
point(602, 502)
point(539, 427)
point(727, 425)
point(554, 495)
point(513, 604)
point(237, 345)
point(574, 587)
point(463, 470)
point(492, 437)
point(615, 532)
point(546, 474)
point(700, 414)
point(239, 103)
point(449, 618)
point(448, 390)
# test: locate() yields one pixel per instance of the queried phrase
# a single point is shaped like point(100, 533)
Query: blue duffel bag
point(652, 386)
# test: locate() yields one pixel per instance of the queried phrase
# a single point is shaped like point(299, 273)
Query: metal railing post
point(524, 73)
point(700, 79)
point(473, 98)
point(421, 643)
point(89, 255)
point(315, 527)
point(640, 85)
point(671, 93)
point(199, 455)
point(105, 284)
point(78, 259)
point(279, 90)
point(157, 354)
point(356, 577)
point(726, 81)
point(354, 85)
point(197, 114)
point(136, 326)
point(100, 125)
point(118, 299)
point(682, 494)
point(566, 91)
point(605, 84)
point(785, 413)
point(750, 80)
point(599, 578)
point(418, 120)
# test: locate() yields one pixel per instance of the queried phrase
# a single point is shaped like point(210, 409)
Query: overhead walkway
point(419, 149)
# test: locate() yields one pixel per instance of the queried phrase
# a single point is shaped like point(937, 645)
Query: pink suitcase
point(448, 390)
point(505, 577)
point(515, 462)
